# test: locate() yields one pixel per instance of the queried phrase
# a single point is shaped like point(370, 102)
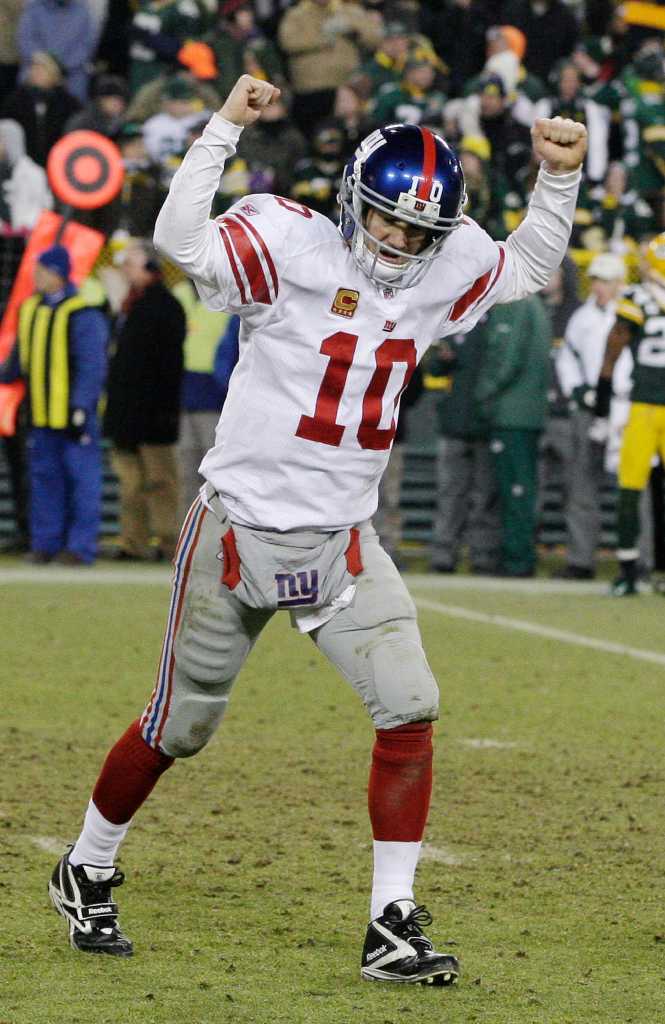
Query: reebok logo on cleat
point(377, 952)
point(100, 910)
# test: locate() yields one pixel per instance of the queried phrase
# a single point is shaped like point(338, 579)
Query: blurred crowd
point(148, 74)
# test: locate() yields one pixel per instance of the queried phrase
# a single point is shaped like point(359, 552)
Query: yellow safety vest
point(43, 338)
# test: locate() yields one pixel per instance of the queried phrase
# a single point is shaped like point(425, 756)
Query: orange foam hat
point(199, 58)
point(516, 40)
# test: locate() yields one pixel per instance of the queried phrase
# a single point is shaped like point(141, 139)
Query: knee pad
point(192, 721)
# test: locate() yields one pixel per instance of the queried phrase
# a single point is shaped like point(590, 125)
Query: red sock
point(400, 782)
point(128, 776)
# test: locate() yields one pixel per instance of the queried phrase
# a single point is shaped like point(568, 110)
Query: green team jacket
point(514, 378)
point(458, 412)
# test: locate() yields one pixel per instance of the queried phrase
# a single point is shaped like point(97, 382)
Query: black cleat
point(83, 896)
point(396, 949)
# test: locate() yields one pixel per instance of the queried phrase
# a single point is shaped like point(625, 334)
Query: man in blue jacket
point(65, 29)
point(62, 342)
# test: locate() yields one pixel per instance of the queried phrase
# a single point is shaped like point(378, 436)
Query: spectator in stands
point(474, 153)
point(578, 367)
point(550, 28)
point(387, 520)
point(149, 100)
point(202, 398)
point(105, 113)
point(64, 388)
point(42, 106)
point(505, 50)
point(488, 112)
point(350, 110)
point(10, 12)
point(143, 408)
point(386, 66)
point(157, 33)
point(268, 15)
point(512, 388)
point(612, 216)
point(241, 48)
point(24, 190)
point(267, 154)
point(417, 98)
point(636, 98)
point(570, 100)
point(165, 134)
point(467, 504)
point(458, 30)
point(594, 59)
point(510, 143)
point(325, 41)
point(134, 211)
point(317, 177)
point(113, 49)
point(64, 29)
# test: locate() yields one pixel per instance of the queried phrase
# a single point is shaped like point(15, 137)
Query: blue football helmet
point(412, 175)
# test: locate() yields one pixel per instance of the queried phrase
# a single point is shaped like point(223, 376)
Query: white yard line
point(535, 629)
point(434, 581)
point(161, 576)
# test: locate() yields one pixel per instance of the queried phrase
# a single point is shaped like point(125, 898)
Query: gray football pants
point(374, 642)
point(567, 439)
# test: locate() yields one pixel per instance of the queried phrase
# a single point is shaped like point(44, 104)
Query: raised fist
point(560, 142)
point(247, 99)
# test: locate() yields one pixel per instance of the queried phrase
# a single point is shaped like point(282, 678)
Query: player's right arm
point(184, 231)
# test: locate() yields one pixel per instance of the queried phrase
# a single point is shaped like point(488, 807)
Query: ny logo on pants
point(298, 588)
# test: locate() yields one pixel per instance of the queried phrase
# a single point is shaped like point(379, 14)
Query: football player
point(640, 324)
point(333, 322)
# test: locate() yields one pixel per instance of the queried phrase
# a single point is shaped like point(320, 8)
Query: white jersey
point(580, 358)
point(325, 354)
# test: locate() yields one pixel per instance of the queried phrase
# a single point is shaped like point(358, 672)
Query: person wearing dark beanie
point(61, 354)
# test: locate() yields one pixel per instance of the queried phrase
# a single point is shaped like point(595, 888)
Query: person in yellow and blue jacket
point(62, 353)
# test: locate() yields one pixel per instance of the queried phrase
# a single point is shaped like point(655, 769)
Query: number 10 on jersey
point(340, 348)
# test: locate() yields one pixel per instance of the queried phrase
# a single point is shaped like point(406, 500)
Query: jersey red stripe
point(480, 287)
point(264, 249)
point(429, 164)
point(250, 261)
point(234, 266)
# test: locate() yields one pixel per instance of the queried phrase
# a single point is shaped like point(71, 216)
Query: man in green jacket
point(467, 507)
point(512, 388)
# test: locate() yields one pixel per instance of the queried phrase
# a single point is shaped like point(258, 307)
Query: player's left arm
point(535, 249)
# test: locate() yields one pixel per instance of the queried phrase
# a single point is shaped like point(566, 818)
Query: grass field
point(248, 870)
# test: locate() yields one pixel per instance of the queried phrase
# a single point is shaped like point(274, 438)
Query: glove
point(77, 428)
point(599, 431)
